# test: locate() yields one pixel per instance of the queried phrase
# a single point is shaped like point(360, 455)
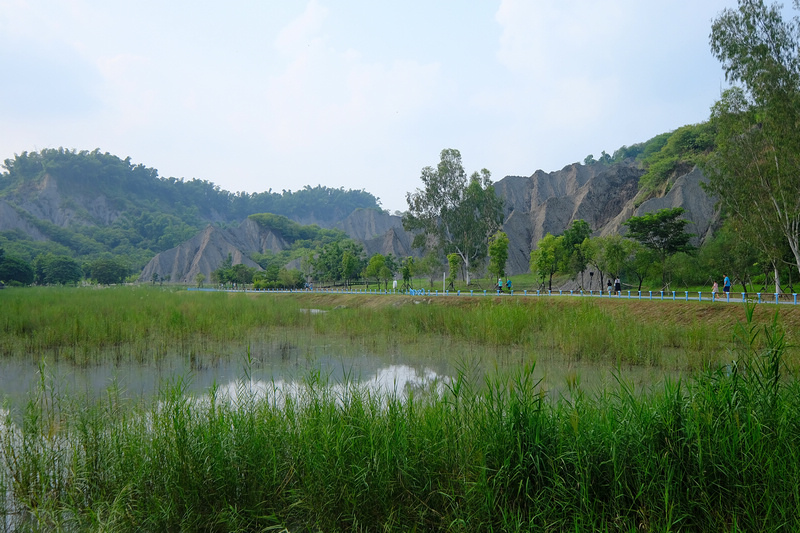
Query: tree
point(547, 257)
point(15, 269)
point(63, 270)
point(640, 261)
point(56, 270)
point(242, 274)
point(575, 260)
point(453, 264)
point(373, 269)
point(756, 168)
point(408, 270)
point(199, 279)
point(607, 254)
point(498, 254)
point(291, 279)
point(453, 213)
point(330, 261)
point(386, 274)
point(430, 265)
point(351, 266)
point(662, 232)
point(224, 273)
point(107, 271)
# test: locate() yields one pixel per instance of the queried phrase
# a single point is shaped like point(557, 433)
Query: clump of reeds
point(714, 453)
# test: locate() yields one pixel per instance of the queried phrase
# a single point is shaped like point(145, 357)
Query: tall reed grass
point(713, 453)
point(91, 326)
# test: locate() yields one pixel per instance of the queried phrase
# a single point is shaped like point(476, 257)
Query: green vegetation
point(453, 214)
point(755, 170)
point(138, 213)
point(663, 233)
point(147, 322)
point(715, 452)
point(682, 149)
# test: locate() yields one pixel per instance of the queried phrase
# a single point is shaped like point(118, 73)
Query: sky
point(256, 95)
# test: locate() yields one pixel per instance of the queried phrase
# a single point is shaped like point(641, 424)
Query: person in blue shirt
point(726, 285)
point(508, 284)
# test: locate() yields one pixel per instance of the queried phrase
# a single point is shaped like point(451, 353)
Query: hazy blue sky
point(360, 94)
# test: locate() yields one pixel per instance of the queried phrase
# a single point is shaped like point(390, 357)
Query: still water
point(286, 360)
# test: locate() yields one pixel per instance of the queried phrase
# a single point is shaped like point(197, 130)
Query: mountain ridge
point(73, 206)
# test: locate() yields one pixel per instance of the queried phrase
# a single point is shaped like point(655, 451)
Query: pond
point(288, 359)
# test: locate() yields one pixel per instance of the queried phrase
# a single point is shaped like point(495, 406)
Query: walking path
point(787, 299)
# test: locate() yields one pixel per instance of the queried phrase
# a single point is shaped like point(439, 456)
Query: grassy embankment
point(714, 453)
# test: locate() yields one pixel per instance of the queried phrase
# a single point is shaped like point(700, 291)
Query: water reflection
point(394, 381)
point(282, 362)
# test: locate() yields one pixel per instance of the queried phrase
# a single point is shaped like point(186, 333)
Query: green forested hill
point(89, 204)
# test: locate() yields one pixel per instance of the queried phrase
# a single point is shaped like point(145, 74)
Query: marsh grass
point(713, 453)
point(145, 324)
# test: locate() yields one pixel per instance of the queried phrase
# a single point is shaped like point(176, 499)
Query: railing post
point(651, 294)
point(687, 295)
point(759, 297)
point(776, 297)
point(699, 296)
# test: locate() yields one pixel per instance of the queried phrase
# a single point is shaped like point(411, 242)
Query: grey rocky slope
point(604, 195)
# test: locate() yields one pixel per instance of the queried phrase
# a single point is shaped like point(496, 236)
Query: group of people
point(726, 287)
point(499, 286)
point(614, 288)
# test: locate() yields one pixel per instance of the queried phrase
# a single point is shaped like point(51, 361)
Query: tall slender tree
point(756, 168)
point(453, 213)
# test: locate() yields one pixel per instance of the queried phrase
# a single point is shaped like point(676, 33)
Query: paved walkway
point(787, 299)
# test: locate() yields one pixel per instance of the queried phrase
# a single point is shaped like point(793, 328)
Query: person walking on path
point(617, 286)
point(726, 286)
point(714, 289)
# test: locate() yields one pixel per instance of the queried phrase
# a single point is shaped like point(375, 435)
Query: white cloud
point(253, 95)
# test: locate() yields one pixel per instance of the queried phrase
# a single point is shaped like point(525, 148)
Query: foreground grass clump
point(716, 453)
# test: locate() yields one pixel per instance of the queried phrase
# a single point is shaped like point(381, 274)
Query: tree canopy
point(453, 213)
point(662, 232)
point(756, 168)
